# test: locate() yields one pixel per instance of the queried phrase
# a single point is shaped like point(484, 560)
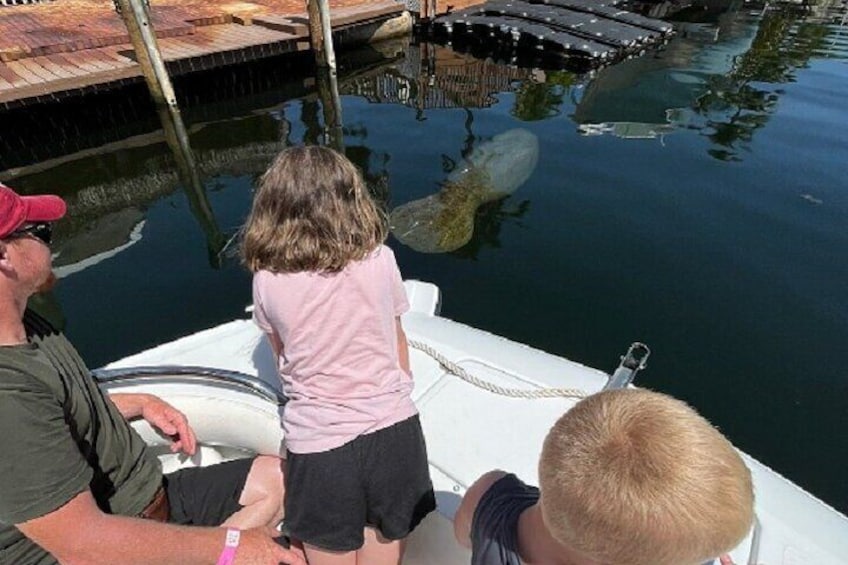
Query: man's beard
point(48, 284)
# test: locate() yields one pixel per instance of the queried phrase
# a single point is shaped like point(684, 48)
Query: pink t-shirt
point(339, 362)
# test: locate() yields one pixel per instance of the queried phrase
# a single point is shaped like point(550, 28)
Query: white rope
point(455, 369)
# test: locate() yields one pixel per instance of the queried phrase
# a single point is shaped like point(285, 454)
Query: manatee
point(444, 221)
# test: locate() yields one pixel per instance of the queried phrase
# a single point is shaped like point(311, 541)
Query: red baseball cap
point(17, 210)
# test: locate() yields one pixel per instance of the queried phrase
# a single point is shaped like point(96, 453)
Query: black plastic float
point(594, 32)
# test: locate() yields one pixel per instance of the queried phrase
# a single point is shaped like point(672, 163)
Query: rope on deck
point(458, 371)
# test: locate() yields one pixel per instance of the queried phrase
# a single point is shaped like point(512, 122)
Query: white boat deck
point(470, 431)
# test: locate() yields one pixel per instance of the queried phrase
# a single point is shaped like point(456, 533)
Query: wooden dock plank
point(82, 60)
point(345, 15)
point(67, 66)
point(38, 70)
point(232, 36)
point(175, 49)
point(59, 70)
point(55, 88)
point(288, 24)
point(116, 54)
point(259, 36)
point(188, 47)
point(4, 84)
point(28, 76)
point(94, 57)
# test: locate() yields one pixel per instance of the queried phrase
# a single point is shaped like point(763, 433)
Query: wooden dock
point(52, 51)
point(593, 32)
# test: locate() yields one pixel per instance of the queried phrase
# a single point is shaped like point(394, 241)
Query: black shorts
point(206, 496)
point(380, 480)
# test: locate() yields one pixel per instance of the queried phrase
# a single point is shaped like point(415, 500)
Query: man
point(77, 484)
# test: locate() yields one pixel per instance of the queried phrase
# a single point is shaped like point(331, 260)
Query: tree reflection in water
point(738, 104)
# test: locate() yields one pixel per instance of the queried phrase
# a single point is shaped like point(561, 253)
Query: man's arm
point(160, 415)
point(465, 513)
point(80, 533)
point(130, 405)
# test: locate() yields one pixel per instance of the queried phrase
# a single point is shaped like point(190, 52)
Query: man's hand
point(171, 422)
point(258, 547)
point(159, 414)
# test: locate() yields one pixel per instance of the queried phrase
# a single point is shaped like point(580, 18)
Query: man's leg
point(243, 493)
point(262, 496)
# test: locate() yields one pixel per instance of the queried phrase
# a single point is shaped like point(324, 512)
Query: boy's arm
point(403, 347)
point(79, 532)
point(465, 513)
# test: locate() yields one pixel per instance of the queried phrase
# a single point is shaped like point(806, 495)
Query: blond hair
point(636, 477)
point(312, 212)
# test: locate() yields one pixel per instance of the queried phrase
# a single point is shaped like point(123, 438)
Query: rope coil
point(458, 371)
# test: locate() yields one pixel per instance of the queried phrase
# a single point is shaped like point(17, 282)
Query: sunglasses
point(42, 231)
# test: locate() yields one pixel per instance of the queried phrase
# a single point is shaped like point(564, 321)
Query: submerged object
point(444, 221)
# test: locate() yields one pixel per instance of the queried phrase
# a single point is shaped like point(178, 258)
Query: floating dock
point(584, 31)
point(55, 50)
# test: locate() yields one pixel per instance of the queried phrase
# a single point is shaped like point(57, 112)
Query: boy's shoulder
point(465, 513)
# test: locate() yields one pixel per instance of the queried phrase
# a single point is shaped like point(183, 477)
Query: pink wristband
point(228, 556)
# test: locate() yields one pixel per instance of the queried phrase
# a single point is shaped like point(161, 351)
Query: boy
point(626, 477)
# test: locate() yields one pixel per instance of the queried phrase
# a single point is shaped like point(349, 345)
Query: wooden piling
point(137, 20)
point(316, 35)
point(321, 33)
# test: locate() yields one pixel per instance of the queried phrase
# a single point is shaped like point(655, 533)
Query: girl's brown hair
point(312, 212)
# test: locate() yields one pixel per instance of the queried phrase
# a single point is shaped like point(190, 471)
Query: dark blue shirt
point(494, 528)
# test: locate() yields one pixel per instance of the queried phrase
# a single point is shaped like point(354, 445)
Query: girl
point(329, 295)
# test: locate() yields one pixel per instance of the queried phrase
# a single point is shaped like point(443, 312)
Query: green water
point(694, 199)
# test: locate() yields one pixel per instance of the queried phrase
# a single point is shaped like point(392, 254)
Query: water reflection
point(737, 104)
point(103, 238)
point(721, 77)
point(431, 76)
point(328, 92)
point(177, 139)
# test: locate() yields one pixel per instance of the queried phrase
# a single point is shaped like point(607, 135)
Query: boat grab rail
point(187, 373)
point(631, 363)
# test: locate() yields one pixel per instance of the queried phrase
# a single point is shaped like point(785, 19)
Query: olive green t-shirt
point(60, 435)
